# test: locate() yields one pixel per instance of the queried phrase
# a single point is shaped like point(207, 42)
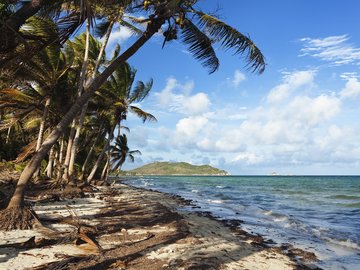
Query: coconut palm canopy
point(35, 37)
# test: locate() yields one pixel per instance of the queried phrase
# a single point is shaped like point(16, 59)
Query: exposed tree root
point(17, 218)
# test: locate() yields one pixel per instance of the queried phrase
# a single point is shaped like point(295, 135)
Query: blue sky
point(299, 117)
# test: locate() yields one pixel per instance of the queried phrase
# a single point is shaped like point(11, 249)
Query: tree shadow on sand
point(137, 231)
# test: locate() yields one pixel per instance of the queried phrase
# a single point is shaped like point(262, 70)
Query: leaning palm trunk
point(74, 147)
point(50, 165)
point(42, 124)
point(105, 149)
point(105, 170)
point(59, 159)
point(66, 163)
point(98, 161)
point(83, 168)
point(18, 196)
point(42, 128)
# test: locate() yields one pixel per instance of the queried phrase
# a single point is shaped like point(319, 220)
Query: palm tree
point(120, 152)
point(68, 14)
point(119, 95)
point(86, 49)
point(198, 30)
point(38, 81)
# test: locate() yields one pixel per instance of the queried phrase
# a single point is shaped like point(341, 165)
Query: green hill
point(175, 168)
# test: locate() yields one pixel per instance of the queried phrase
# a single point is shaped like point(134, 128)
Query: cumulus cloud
point(313, 111)
point(189, 128)
point(247, 158)
point(119, 36)
point(333, 49)
point(351, 89)
point(284, 125)
point(183, 102)
point(295, 129)
point(238, 78)
point(291, 82)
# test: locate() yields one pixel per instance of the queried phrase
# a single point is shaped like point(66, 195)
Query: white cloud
point(196, 104)
point(351, 89)
point(247, 158)
point(119, 36)
point(303, 131)
point(349, 75)
point(333, 49)
point(183, 102)
point(313, 111)
point(238, 78)
point(189, 128)
point(281, 126)
point(291, 82)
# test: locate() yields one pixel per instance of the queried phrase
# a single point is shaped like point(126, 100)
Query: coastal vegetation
point(63, 101)
point(175, 168)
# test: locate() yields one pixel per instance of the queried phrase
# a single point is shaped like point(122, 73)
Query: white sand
point(208, 239)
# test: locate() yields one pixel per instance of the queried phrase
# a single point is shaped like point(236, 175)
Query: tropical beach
point(131, 228)
point(179, 134)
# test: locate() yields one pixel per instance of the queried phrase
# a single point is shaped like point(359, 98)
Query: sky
point(300, 117)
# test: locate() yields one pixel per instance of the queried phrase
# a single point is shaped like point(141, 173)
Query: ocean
point(320, 214)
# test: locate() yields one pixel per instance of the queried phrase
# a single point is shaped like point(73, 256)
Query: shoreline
point(137, 228)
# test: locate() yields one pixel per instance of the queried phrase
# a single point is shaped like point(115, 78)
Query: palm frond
point(131, 158)
point(68, 25)
point(144, 116)
point(116, 52)
point(120, 152)
point(141, 91)
point(32, 123)
point(14, 95)
point(200, 46)
point(230, 38)
point(26, 151)
point(135, 152)
point(134, 30)
point(125, 128)
point(101, 28)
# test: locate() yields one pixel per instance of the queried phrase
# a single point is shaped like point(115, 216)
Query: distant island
point(175, 168)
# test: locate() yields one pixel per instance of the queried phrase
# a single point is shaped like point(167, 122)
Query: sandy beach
point(121, 227)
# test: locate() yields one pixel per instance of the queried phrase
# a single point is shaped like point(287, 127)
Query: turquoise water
point(317, 213)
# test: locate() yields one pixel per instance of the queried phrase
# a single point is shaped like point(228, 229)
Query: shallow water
point(316, 213)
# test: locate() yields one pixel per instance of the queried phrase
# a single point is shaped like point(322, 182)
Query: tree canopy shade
point(199, 31)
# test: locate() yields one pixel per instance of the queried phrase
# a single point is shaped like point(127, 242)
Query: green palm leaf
point(230, 38)
point(200, 46)
point(144, 116)
point(141, 91)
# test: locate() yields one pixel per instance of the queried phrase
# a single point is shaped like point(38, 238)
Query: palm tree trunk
point(60, 158)
point(18, 197)
point(74, 147)
point(49, 167)
point(55, 162)
point(42, 128)
point(83, 168)
point(84, 109)
point(98, 161)
point(105, 169)
point(65, 175)
point(102, 49)
point(42, 124)
point(8, 135)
